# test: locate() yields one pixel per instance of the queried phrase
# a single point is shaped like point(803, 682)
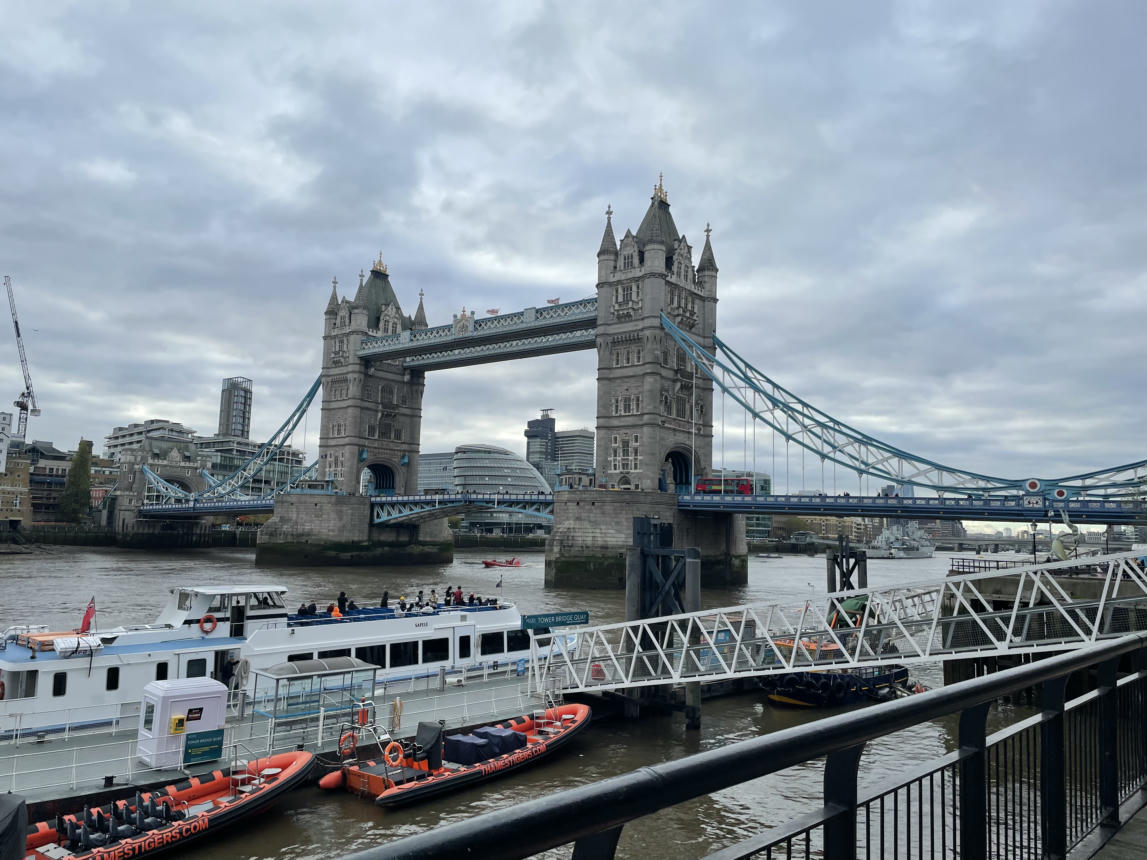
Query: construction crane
point(26, 402)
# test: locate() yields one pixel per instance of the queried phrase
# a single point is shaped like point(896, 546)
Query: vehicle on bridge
point(726, 486)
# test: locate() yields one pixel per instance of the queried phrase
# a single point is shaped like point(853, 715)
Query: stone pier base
point(335, 530)
point(594, 528)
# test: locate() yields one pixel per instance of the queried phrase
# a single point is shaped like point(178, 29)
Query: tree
point(76, 500)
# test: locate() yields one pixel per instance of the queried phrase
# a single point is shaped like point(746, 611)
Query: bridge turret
point(707, 267)
point(607, 253)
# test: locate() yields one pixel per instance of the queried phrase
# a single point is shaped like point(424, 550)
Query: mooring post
point(633, 584)
point(830, 563)
point(861, 569)
point(693, 604)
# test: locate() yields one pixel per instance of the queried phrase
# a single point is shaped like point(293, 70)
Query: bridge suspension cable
point(231, 486)
point(833, 440)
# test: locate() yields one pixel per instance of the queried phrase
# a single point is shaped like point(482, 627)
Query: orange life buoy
point(347, 743)
point(208, 623)
point(395, 748)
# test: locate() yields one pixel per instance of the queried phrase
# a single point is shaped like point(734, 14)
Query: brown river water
point(53, 587)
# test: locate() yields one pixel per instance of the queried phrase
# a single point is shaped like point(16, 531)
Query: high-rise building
point(235, 408)
point(575, 457)
point(158, 429)
point(541, 443)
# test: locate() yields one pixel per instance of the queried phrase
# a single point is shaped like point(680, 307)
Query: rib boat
point(507, 562)
point(433, 765)
point(171, 817)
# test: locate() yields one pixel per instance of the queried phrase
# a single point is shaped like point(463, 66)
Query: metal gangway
point(1024, 610)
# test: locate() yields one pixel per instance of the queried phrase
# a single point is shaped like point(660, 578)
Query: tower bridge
point(660, 364)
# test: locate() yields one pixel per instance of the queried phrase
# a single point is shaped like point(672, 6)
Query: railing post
point(1108, 742)
point(840, 770)
point(973, 783)
point(1052, 772)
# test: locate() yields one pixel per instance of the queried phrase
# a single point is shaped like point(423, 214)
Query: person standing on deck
point(342, 601)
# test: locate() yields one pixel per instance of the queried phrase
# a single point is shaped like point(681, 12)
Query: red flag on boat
point(89, 614)
point(553, 301)
point(493, 311)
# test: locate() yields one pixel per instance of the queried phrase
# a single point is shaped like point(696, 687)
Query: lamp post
point(1035, 558)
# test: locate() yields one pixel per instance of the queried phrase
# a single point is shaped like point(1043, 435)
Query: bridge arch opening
point(376, 479)
point(678, 471)
point(154, 496)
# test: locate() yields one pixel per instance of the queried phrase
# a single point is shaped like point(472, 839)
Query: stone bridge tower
point(654, 413)
point(372, 410)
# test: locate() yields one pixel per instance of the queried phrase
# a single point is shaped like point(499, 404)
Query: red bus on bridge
point(728, 486)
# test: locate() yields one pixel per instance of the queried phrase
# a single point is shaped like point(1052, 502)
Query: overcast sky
point(929, 218)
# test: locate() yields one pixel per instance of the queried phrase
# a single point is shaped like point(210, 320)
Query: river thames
point(53, 587)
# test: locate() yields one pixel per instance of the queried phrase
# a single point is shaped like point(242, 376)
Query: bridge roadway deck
point(1023, 610)
point(56, 766)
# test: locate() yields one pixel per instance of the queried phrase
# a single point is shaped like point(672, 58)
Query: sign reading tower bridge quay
point(555, 619)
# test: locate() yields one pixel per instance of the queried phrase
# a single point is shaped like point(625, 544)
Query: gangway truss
point(1024, 610)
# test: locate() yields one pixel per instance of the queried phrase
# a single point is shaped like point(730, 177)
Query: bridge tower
point(654, 413)
point(372, 410)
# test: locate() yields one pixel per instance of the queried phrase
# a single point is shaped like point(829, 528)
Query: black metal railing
point(1061, 780)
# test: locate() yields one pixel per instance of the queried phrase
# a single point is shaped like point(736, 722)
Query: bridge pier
point(336, 530)
point(593, 531)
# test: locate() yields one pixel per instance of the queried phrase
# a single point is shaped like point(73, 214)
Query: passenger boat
point(433, 765)
point(170, 817)
point(509, 562)
point(835, 686)
point(44, 673)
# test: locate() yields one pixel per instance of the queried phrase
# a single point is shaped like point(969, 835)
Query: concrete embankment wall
point(336, 530)
point(594, 528)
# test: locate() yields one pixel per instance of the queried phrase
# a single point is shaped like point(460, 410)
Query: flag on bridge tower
point(553, 301)
point(89, 614)
point(493, 311)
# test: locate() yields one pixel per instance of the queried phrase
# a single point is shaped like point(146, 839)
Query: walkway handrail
point(593, 815)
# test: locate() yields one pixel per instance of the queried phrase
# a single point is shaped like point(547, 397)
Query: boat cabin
point(238, 609)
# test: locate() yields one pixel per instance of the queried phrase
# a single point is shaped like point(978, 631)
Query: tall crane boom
point(26, 402)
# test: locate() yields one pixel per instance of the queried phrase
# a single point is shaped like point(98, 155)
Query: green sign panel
point(203, 746)
point(555, 619)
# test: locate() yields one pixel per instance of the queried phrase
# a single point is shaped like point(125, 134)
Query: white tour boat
point(49, 679)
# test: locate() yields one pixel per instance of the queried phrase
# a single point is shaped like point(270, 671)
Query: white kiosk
point(172, 710)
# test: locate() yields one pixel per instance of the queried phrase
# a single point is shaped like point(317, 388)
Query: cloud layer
point(929, 218)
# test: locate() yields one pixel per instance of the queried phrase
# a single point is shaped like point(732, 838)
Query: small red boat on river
point(169, 817)
point(432, 765)
point(509, 562)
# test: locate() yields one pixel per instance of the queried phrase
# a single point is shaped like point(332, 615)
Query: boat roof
point(326, 666)
point(231, 589)
point(15, 653)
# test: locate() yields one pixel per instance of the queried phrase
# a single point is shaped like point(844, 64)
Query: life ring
point(208, 624)
point(393, 754)
point(347, 743)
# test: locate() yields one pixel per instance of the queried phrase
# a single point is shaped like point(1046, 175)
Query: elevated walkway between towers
point(1027, 610)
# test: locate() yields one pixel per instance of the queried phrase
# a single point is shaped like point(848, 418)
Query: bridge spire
point(334, 301)
point(608, 241)
point(707, 263)
point(419, 315)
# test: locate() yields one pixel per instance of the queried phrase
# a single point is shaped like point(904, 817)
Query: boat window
point(149, 714)
point(375, 654)
point(463, 647)
point(337, 652)
point(21, 685)
point(304, 655)
point(435, 650)
point(161, 671)
point(517, 640)
point(184, 600)
point(59, 683)
point(220, 603)
point(113, 678)
point(197, 668)
point(403, 654)
point(493, 643)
